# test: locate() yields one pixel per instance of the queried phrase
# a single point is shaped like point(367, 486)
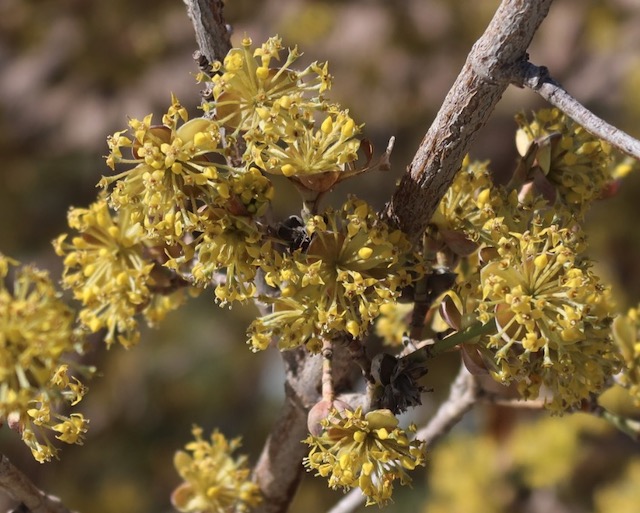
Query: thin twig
point(328, 394)
point(538, 79)
point(532, 404)
point(463, 395)
point(20, 488)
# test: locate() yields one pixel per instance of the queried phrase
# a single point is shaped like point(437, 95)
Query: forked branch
point(465, 110)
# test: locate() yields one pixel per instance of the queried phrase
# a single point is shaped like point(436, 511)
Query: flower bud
point(321, 411)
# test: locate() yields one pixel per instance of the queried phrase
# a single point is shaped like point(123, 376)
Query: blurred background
point(73, 71)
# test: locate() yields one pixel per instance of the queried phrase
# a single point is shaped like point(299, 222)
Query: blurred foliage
point(72, 71)
point(538, 465)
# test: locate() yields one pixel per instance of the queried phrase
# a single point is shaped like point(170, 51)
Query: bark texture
point(213, 35)
point(466, 108)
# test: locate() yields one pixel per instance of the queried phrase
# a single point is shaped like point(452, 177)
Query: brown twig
point(279, 468)
point(465, 110)
point(18, 486)
point(538, 79)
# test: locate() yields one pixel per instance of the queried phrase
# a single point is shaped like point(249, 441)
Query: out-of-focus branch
point(538, 79)
point(463, 395)
point(18, 486)
point(212, 32)
point(465, 110)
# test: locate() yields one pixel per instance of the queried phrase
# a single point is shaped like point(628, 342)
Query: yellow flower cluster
point(230, 239)
point(563, 159)
point(169, 176)
point(197, 190)
point(465, 214)
point(461, 208)
point(551, 313)
point(214, 481)
point(233, 243)
point(288, 127)
point(316, 157)
point(109, 272)
point(520, 267)
point(353, 265)
point(37, 344)
point(368, 451)
point(626, 330)
point(247, 85)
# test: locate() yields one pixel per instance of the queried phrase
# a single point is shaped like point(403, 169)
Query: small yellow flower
point(368, 451)
point(72, 429)
point(106, 267)
point(552, 314)
point(353, 265)
point(214, 481)
point(37, 345)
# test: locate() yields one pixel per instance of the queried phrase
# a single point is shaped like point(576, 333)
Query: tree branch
point(279, 468)
point(465, 110)
point(18, 486)
point(463, 395)
point(538, 79)
point(212, 33)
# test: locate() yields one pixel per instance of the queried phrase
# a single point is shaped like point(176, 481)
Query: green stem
point(467, 335)
point(627, 426)
point(310, 202)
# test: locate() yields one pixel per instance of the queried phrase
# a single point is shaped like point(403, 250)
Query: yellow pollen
point(288, 170)
point(327, 125)
point(365, 253)
point(262, 73)
point(541, 261)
